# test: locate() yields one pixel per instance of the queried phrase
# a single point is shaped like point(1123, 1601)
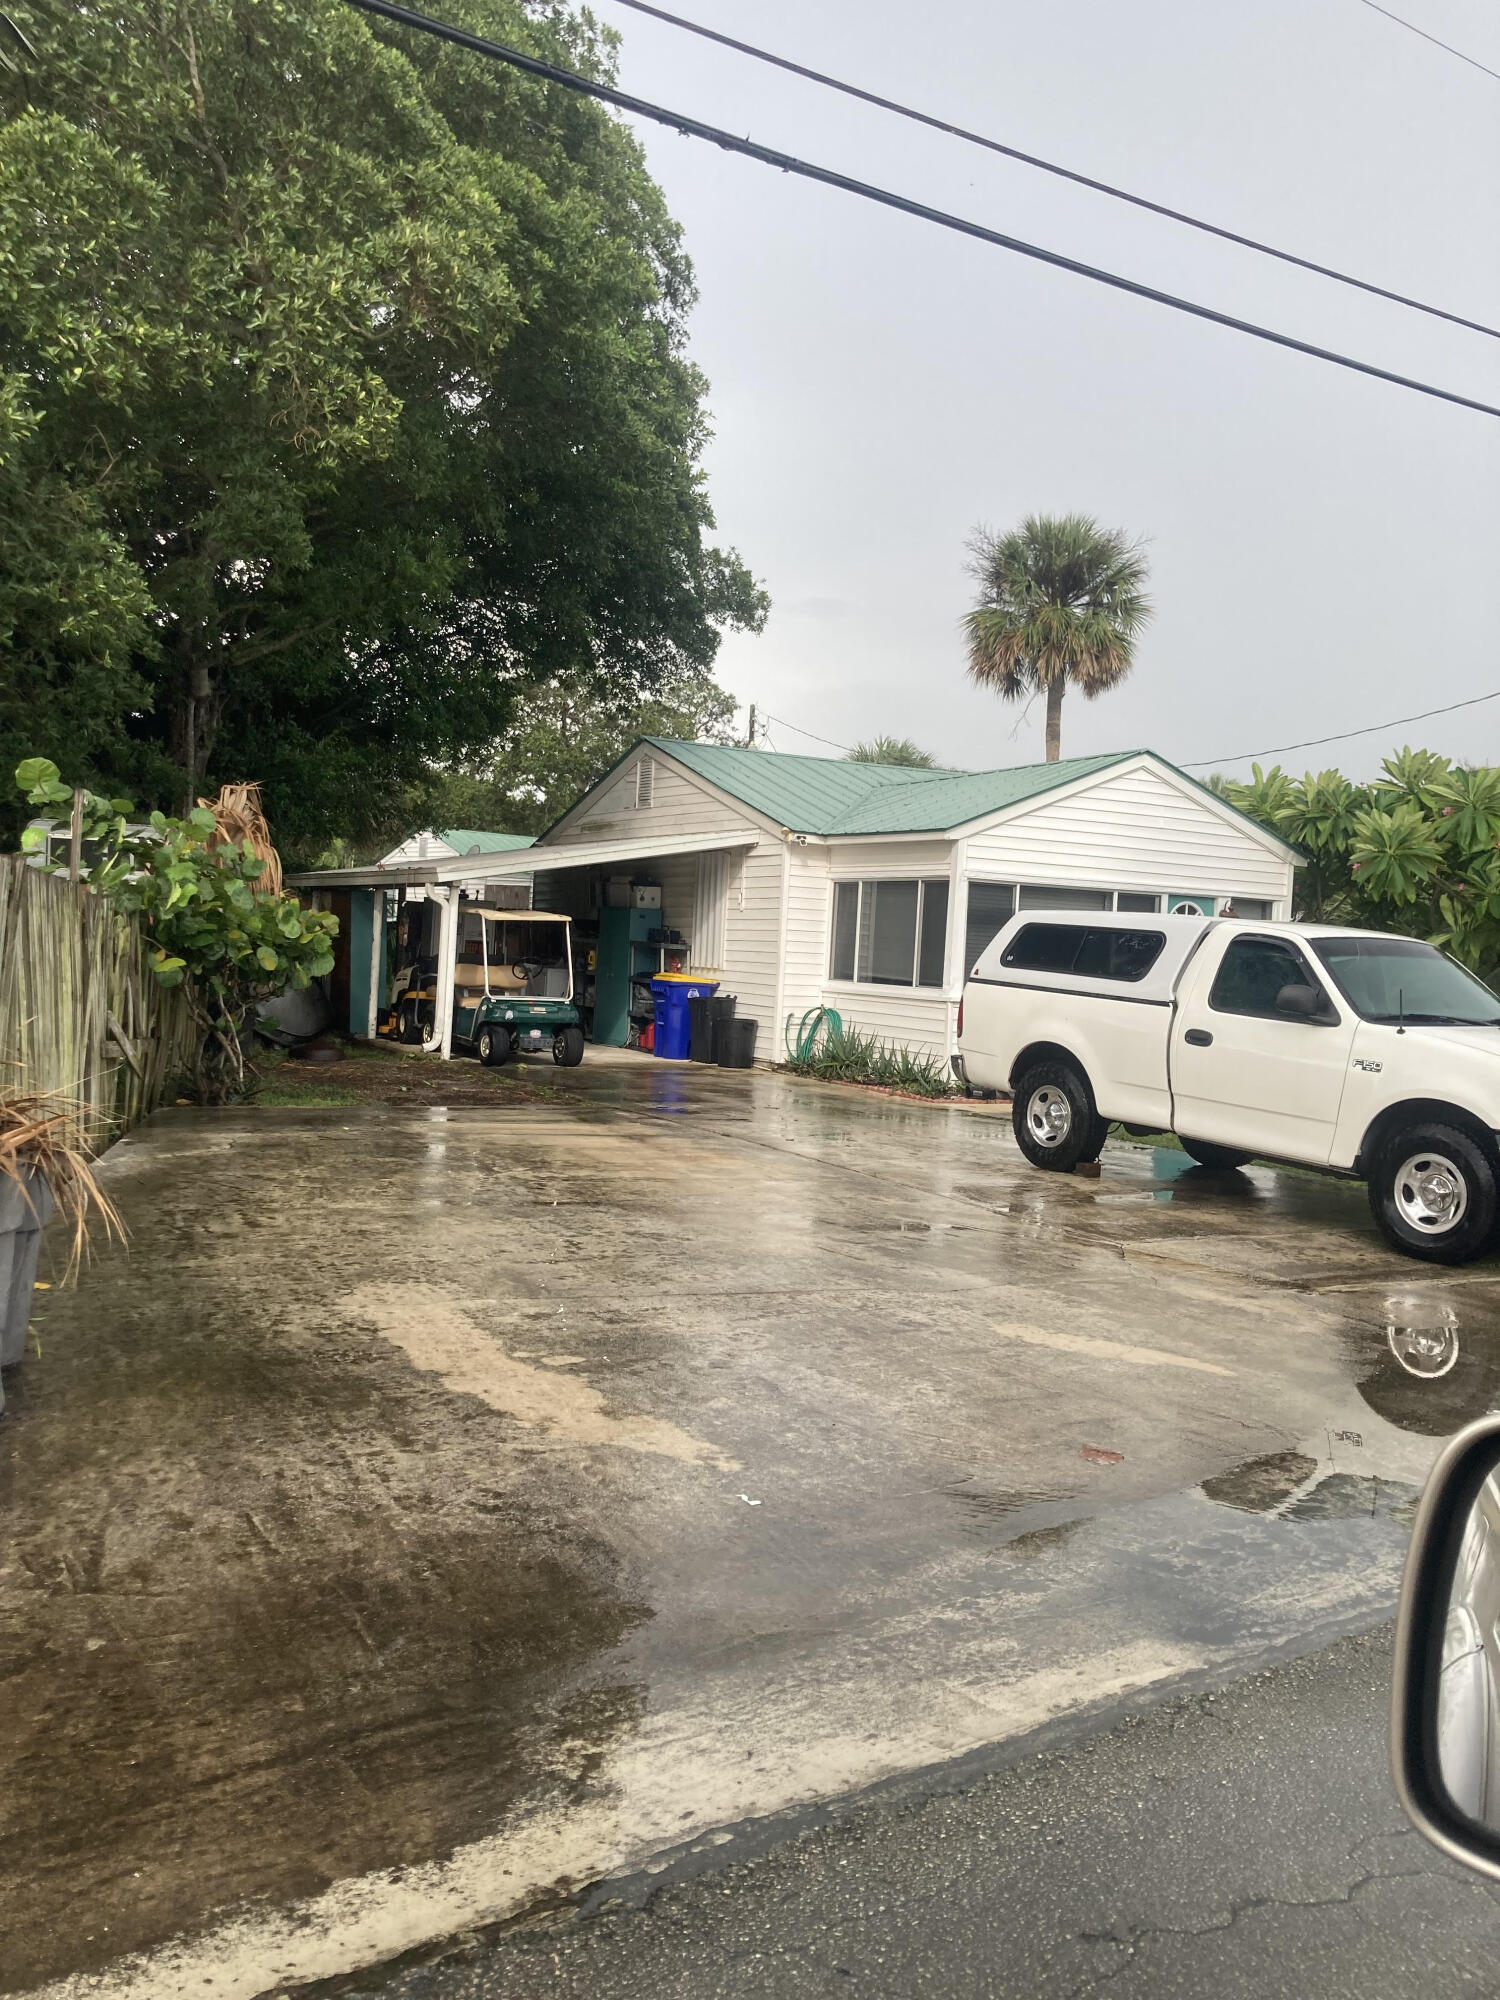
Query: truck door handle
point(1199, 1037)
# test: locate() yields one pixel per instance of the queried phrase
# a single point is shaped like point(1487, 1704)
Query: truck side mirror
point(1445, 1699)
point(1299, 999)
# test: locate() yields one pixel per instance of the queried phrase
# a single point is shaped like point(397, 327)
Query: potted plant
point(43, 1169)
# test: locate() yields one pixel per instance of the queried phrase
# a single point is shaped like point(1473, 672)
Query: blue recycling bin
point(670, 994)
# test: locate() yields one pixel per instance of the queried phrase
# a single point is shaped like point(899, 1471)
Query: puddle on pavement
point(1426, 1370)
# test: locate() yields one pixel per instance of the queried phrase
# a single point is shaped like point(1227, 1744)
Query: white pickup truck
point(1365, 1054)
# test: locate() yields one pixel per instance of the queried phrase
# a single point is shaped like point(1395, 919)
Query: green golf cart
point(513, 986)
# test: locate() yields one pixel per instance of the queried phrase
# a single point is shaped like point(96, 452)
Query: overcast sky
point(1323, 547)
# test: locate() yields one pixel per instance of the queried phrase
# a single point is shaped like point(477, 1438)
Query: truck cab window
point(1252, 973)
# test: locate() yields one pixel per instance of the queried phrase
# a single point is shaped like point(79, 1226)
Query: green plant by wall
point(1416, 852)
point(845, 1055)
point(228, 943)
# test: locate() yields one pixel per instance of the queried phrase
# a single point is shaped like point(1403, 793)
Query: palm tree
point(891, 750)
point(12, 36)
point(1062, 601)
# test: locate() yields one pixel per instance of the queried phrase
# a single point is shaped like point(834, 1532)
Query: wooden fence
point(80, 1014)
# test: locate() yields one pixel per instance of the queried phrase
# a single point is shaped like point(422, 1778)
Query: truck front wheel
point(1054, 1119)
point(1433, 1194)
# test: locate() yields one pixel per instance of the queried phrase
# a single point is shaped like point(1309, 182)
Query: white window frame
point(862, 882)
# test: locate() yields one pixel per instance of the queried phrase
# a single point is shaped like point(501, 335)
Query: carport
point(593, 886)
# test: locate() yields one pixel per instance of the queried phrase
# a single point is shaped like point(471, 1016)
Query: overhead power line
point(1313, 742)
point(788, 163)
point(782, 723)
point(1412, 28)
point(1051, 167)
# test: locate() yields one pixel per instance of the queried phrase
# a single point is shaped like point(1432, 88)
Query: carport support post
point(442, 1039)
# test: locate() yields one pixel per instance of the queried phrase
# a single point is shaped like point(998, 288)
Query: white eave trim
point(593, 854)
point(403, 875)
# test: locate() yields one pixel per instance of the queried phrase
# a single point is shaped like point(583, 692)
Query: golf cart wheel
point(1433, 1194)
point(567, 1047)
point(1208, 1155)
point(1054, 1119)
point(493, 1045)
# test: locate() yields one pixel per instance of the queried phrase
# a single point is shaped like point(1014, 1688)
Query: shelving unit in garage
point(627, 961)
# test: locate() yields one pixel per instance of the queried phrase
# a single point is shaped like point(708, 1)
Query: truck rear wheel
point(567, 1047)
point(493, 1045)
point(1054, 1119)
point(1433, 1194)
point(1209, 1155)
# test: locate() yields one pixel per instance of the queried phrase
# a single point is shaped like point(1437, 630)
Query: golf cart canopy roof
point(515, 916)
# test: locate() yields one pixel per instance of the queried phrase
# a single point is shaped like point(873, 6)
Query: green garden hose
point(825, 1021)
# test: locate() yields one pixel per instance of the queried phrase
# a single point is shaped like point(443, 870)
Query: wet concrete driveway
point(439, 1510)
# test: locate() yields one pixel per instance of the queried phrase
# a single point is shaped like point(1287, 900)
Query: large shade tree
point(1061, 604)
point(343, 395)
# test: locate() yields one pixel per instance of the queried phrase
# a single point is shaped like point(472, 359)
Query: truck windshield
point(1394, 979)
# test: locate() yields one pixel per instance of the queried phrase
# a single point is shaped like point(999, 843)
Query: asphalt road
point(1244, 1844)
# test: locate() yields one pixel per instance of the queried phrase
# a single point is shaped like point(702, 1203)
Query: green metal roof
point(828, 795)
point(465, 840)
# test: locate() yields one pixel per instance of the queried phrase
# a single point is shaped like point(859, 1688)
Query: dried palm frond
point(38, 1137)
point(241, 817)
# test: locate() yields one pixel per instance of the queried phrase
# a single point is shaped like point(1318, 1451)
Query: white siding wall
point(681, 805)
point(1135, 831)
point(752, 940)
point(916, 1020)
point(809, 903)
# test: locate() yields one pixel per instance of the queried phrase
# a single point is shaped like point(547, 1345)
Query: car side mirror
point(1445, 1697)
point(1304, 1001)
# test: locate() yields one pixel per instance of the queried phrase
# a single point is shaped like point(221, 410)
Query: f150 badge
point(1363, 1062)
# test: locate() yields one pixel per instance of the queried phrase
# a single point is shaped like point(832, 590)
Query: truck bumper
point(961, 1075)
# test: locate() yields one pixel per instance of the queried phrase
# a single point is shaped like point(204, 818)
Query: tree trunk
point(1054, 718)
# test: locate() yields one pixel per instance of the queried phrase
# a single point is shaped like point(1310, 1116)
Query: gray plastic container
point(25, 1210)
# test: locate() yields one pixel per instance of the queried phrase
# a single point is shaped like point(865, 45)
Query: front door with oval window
point(1190, 906)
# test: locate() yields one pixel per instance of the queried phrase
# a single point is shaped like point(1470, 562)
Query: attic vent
point(645, 781)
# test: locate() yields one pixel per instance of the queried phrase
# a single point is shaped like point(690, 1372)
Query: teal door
point(1190, 906)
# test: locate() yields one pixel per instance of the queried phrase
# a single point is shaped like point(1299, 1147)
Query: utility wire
point(1412, 28)
point(1312, 742)
point(788, 163)
point(1051, 167)
point(782, 723)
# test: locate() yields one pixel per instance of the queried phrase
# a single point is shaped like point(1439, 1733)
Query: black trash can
point(701, 1029)
point(734, 1043)
point(720, 1014)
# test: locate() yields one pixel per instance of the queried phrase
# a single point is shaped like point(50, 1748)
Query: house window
point(890, 933)
point(1127, 900)
point(1033, 897)
point(645, 782)
point(990, 908)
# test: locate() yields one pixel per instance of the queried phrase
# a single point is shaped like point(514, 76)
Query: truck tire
point(493, 1044)
point(1054, 1119)
point(1209, 1155)
point(1433, 1194)
point(567, 1047)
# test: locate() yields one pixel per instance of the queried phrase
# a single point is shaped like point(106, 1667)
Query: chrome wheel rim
point(1049, 1116)
point(1431, 1194)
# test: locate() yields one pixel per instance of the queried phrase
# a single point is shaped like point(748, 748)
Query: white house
point(871, 888)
